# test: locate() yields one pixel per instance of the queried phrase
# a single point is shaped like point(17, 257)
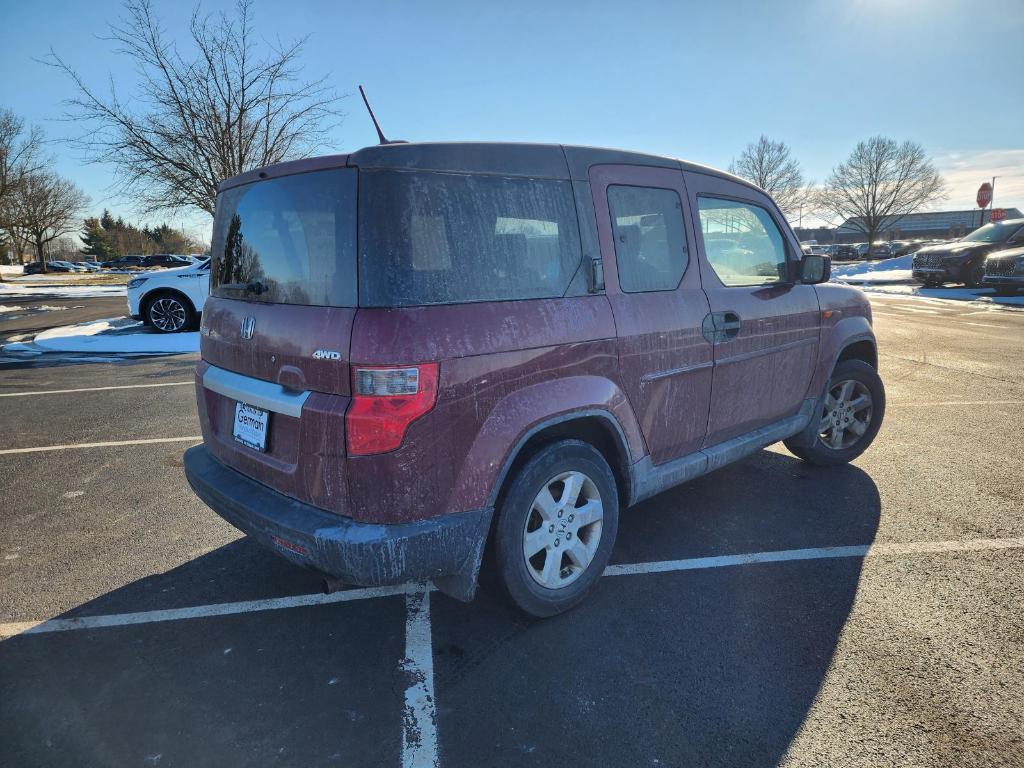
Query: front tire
point(556, 528)
point(169, 312)
point(850, 417)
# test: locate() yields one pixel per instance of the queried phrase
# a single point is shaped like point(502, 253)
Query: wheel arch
point(155, 293)
point(595, 427)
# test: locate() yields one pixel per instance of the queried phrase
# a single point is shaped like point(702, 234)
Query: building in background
point(938, 225)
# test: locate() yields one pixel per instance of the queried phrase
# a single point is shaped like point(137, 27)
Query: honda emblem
point(247, 327)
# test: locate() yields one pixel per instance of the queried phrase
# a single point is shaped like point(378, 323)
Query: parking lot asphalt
point(769, 613)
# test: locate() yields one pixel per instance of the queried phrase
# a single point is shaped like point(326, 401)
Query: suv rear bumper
point(446, 549)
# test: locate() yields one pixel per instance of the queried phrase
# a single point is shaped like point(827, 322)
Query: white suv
point(170, 300)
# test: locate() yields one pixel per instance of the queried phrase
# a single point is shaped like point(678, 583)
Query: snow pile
point(885, 271)
point(110, 336)
point(10, 270)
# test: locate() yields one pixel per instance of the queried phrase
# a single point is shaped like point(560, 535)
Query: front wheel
point(975, 275)
point(169, 313)
point(556, 528)
point(850, 417)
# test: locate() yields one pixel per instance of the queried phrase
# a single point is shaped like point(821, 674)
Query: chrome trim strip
point(257, 392)
point(673, 371)
point(768, 351)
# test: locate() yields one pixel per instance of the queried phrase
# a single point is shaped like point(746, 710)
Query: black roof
point(551, 161)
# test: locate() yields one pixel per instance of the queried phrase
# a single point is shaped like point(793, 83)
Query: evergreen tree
point(95, 240)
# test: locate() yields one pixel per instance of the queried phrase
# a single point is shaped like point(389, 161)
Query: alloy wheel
point(168, 314)
point(846, 415)
point(563, 530)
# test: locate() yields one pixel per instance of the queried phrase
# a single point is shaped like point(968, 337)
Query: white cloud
point(966, 170)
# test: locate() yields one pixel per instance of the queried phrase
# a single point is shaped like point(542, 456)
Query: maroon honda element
point(419, 352)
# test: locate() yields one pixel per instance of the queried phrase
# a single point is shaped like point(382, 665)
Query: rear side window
point(445, 238)
point(742, 242)
point(290, 240)
point(650, 242)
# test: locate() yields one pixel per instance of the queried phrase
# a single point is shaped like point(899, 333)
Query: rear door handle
point(729, 324)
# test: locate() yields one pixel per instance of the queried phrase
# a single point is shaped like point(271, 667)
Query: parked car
point(170, 300)
point(88, 266)
point(32, 268)
point(59, 265)
point(880, 251)
point(526, 339)
point(812, 247)
point(963, 260)
point(124, 262)
point(1004, 271)
point(165, 260)
point(845, 252)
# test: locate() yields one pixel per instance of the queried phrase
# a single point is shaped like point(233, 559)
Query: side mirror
point(815, 269)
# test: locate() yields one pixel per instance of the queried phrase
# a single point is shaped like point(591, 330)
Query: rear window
point(290, 240)
point(444, 238)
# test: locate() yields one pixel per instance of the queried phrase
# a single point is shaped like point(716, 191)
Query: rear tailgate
point(275, 370)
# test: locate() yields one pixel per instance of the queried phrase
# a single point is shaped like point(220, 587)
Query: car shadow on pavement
point(702, 667)
point(696, 667)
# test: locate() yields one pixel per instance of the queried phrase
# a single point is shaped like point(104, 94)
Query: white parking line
point(957, 402)
point(201, 611)
point(95, 389)
point(419, 721)
point(819, 553)
point(108, 444)
point(621, 569)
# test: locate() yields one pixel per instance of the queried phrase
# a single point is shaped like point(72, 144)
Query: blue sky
point(693, 80)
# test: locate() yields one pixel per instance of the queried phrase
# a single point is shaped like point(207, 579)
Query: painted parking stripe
point(621, 569)
point(95, 389)
point(956, 402)
point(201, 611)
point(419, 722)
point(818, 553)
point(107, 444)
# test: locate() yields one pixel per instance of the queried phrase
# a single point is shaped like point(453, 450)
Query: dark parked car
point(124, 262)
point(845, 252)
point(422, 348)
point(963, 260)
point(1004, 271)
point(165, 260)
point(32, 268)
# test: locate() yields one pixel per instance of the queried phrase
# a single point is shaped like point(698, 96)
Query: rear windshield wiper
point(254, 286)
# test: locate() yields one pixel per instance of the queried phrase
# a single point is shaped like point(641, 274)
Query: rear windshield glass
point(441, 238)
point(290, 240)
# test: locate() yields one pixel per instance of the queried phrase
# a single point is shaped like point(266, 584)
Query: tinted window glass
point(441, 238)
point(290, 240)
point(650, 243)
point(742, 242)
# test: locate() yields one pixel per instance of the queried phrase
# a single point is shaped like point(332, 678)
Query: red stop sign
point(984, 194)
point(998, 214)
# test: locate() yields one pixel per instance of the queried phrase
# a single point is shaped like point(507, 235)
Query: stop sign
point(998, 214)
point(984, 194)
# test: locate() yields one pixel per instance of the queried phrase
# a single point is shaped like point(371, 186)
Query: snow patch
point(884, 271)
point(115, 335)
point(62, 291)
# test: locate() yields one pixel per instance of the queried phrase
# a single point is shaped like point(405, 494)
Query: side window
point(742, 242)
point(650, 242)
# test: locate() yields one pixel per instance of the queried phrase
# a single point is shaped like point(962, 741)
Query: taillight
point(384, 402)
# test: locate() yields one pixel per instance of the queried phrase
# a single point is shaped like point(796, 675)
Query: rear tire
point(556, 528)
point(851, 417)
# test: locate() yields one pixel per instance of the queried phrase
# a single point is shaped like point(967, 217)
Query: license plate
point(251, 426)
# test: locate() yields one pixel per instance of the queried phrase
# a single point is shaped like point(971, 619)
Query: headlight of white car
point(135, 282)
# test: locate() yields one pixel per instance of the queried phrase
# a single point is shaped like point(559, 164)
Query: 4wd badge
point(326, 354)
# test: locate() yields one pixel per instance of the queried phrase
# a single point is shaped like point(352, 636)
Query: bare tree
point(20, 155)
point(878, 184)
point(771, 166)
point(45, 208)
point(194, 119)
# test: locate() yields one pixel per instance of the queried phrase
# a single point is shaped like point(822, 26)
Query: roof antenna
point(380, 133)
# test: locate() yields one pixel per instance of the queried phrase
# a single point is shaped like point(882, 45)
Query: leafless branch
point(771, 166)
point(194, 119)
